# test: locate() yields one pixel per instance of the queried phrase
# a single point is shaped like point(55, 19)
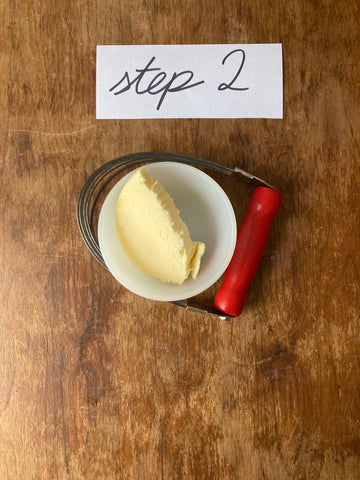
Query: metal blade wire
point(96, 183)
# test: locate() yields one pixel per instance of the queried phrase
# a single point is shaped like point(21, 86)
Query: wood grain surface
point(97, 383)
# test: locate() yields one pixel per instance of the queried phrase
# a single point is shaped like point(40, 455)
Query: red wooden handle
point(251, 240)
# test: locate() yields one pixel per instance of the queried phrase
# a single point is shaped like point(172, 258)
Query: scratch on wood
point(54, 134)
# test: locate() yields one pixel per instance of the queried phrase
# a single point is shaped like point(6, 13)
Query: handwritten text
point(154, 81)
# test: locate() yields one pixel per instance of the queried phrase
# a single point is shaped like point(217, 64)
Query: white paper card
point(189, 81)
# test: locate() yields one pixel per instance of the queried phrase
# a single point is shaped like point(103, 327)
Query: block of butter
point(152, 233)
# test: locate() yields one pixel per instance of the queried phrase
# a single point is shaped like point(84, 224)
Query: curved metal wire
point(96, 183)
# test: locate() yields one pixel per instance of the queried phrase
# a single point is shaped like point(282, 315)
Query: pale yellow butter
point(152, 232)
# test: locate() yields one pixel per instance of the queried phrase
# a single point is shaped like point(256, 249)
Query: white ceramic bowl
point(206, 210)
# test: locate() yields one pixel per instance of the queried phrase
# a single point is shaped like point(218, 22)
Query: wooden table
point(97, 383)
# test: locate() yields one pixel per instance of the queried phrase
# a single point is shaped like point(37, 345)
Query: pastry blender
point(252, 235)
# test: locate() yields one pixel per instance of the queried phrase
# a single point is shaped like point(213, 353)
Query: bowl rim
point(194, 288)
